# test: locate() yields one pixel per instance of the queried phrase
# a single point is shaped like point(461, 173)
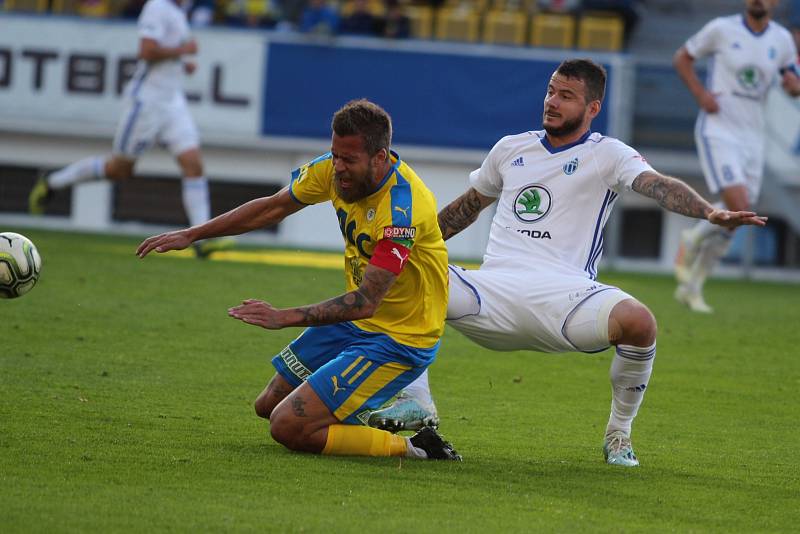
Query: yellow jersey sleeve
point(312, 182)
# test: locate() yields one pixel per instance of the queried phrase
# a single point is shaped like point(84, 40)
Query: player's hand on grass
point(257, 312)
point(732, 219)
point(177, 240)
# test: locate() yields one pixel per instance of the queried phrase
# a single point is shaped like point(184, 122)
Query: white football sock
point(420, 390)
point(195, 200)
point(710, 250)
point(84, 170)
point(630, 374)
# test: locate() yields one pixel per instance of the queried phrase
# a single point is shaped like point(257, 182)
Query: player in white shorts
point(748, 54)
point(154, 111)
point(537, 288)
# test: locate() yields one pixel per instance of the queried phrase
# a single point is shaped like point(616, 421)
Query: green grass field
point(126, 391)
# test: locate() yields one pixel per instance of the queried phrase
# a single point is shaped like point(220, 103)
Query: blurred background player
point(536, 288)
point(155, 109)
point(362, 347)
point(748, 52)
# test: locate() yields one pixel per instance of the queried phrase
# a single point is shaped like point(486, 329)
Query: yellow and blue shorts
point(353, 371)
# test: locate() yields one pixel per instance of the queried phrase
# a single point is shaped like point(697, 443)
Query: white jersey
point(553, 202)
point(164, 22)
point(743, 66)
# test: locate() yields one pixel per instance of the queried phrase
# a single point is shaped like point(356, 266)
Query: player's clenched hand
point(257, 312)
point(708, 101)
point(790, 82)
point(177, 240)
point(732, 219)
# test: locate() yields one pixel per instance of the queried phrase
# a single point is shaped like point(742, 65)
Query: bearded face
point(565, 106)
point(758, 9)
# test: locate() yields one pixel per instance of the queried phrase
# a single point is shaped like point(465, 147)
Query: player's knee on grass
point(263, 407)
point(296, 433)
point(632, 323)
point(286, 430)
point(299, 422)
point(277, 390)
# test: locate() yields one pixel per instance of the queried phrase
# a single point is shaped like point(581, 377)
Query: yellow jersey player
point(364, 346)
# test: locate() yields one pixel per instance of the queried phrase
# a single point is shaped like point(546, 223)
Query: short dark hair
point(367, 119)
point(592, 74)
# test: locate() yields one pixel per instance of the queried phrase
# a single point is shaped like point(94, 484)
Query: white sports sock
point(414, 452)
point(630, 373)
point(420, 390)
point(195, 200)
point(84, 170)
point(710, 249)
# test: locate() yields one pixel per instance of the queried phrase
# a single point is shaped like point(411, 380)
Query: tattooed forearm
point(460, 213)
point(342, 308)
point(358, 304)
point(672, 194)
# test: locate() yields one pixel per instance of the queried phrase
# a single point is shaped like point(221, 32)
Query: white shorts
point(727, 164)
point(143, 123)
point(503, 310)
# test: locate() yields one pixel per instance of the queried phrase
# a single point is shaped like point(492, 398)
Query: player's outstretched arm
point(257, 213)
point(677, 196)
point(151, 51)
point(353, 305)
point(462, 212)
point(684, 66)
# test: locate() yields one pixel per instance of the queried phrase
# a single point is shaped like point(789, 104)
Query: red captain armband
point(390, 255)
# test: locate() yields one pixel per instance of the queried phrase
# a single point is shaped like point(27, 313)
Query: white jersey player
point(154, 110)
point(537, 288)
point(748, 54)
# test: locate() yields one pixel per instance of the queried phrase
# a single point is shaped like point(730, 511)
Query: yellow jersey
point(403, 211)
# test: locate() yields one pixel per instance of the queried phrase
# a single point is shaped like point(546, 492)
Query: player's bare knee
point(636, 324)
point(263, 407)
point(289, 431)
point(642, 328)
point(191, 163)
point(118, 170)
point(283, 429)
point(192, 169)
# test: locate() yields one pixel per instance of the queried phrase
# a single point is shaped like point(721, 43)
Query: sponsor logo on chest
point(532, 203)
point(399, 232)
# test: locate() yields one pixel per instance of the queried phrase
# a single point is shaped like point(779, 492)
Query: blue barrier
point(436, 99)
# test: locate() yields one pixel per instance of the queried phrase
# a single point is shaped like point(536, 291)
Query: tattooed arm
point(676, 196)
point(462, 212)
point(672, 194)
point(357, 304)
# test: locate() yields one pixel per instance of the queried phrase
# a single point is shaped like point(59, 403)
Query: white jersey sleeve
point(488, 180)
point(152, 22)
point(788, 54)
point(620, 164)
point(706, 41)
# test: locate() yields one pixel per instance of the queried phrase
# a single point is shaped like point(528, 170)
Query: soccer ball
point(20, 265)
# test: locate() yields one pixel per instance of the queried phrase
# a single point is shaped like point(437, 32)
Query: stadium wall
point(263, 103)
